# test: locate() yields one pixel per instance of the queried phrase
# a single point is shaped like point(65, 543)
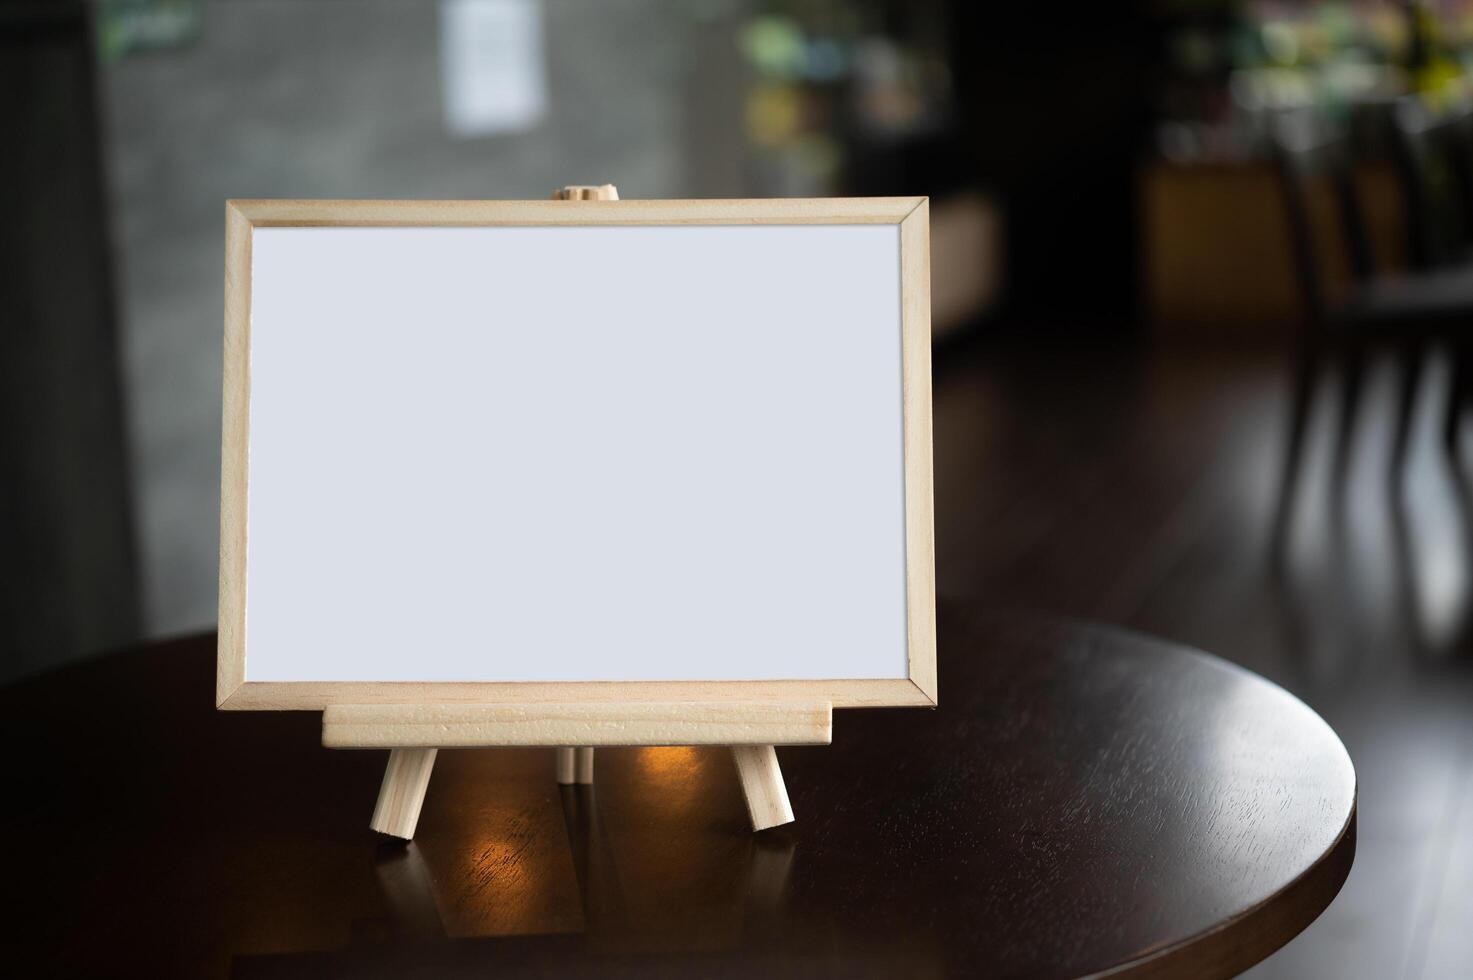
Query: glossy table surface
point(1083, 800)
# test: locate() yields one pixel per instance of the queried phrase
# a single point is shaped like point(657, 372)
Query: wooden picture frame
point(910, 214)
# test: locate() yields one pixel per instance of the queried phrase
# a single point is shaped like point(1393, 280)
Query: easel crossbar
point(357, 726)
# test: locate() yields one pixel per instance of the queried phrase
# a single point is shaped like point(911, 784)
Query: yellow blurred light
point(774, 114)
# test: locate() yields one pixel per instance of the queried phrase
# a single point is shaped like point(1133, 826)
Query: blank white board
point(568, 453)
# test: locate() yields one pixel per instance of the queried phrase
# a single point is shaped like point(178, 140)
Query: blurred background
point(1203, 290)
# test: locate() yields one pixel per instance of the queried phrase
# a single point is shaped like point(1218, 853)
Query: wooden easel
point(414, 733)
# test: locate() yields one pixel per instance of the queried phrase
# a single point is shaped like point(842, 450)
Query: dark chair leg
point(1352, 368)
point(1306, 368)
point(1409, 367)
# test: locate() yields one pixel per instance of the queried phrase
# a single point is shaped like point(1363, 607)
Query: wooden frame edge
point(920, 545)
point(911, 215)
point(317, 695)
point(234, 455)
point(795, 210)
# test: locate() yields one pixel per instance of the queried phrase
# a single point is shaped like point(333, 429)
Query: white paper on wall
point(493, 68)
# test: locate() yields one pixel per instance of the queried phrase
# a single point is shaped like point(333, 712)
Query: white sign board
point(509, 448)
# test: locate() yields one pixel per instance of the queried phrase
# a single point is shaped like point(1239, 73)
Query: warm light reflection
point(499, 873)
point(672, 772)
point(509, 893)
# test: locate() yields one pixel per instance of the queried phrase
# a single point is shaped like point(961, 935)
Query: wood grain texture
point(1084, 799)
point(579, 724)
point(315, 696)
point(909, 214)
point(234, 455)
point(402, 793)
point(920, 549)
point(763, 789)
point(773, 211)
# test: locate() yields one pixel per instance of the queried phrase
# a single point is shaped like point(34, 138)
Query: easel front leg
point(762, 785)
point(406, 778)
point(575, 765)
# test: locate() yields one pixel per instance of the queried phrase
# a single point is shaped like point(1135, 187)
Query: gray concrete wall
point(68, 585)
point(341, 98)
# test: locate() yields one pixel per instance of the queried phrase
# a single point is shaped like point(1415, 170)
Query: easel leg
point(575, 765)
point(762, 785)
point(403, 792)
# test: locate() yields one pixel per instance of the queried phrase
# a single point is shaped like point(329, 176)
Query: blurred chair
point(1434, 161)
point(1458, 145)
point(1433, 154)
point(1401, 313)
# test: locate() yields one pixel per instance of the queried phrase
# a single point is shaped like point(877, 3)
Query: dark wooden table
point(1084, 800)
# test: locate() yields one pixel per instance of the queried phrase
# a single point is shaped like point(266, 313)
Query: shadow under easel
point(622, 917)
point(741, 890)
point(409, 891)
point(604, 907)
